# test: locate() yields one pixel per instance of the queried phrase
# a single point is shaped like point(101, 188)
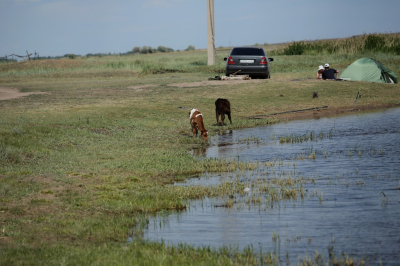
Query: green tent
point(367, 69)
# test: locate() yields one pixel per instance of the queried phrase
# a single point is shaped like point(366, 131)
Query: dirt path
point(213, 83)
point(12, 93)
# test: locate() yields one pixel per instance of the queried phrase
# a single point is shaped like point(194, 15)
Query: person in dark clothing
point(329, 73)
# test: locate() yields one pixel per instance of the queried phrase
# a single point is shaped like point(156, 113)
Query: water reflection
point(199, 151)
point(350, 204)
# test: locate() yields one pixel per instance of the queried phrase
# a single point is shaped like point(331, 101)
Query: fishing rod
point(293, 111)
point(358, 96)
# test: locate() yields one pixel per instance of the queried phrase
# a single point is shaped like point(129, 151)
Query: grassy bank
point(81, 165)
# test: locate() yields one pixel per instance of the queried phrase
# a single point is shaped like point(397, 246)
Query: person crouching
point(329, 73)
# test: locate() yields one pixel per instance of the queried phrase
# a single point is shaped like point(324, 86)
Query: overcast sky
point(58, 27)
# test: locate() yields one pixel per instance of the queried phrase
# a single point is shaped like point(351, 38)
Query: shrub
point(164, 49)
point(136, 49)
point(296, 48)
point(190, 48)
point(151, 50)
point(143, 50)
point(374, 42)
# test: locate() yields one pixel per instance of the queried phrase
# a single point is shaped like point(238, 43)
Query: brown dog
point(222, 107)
point(196, 120)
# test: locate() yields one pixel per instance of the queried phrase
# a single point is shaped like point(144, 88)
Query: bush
point(143, 50)
point(190, 48)
point(374, 42)
point(296, 48)
point(136, 49)
point(151, 50)
point(147, 50)
point(164, 49)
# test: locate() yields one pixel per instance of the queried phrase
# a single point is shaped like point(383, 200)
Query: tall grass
point(136, 64)
point(386, 43)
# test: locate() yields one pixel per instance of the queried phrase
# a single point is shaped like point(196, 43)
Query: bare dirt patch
point(12, 93)
point(213, 83)
point(140, 88)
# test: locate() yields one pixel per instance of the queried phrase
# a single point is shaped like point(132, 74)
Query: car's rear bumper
point(247, 70)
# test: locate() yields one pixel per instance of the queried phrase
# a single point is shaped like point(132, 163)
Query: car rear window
point(248, 51)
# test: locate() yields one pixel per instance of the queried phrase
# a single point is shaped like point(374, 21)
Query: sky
point(59, 27)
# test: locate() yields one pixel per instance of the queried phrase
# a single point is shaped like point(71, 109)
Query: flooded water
point(346, 197)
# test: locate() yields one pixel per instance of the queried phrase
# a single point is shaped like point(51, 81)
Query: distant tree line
point(135, 50)
point(151, 50)
point(159, 49)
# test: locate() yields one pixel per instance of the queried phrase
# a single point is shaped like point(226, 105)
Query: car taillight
point(264, 61)
point(230, 61)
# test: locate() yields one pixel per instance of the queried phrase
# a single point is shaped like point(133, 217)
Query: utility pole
point(210, 33)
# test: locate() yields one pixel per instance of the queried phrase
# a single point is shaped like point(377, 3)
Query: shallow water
point(352, 203)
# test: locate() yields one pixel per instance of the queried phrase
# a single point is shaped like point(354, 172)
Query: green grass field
point(85, 163)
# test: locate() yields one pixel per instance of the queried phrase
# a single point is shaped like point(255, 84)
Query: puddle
point(346, 198)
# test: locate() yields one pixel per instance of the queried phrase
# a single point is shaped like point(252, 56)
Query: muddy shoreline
point(322, 112)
